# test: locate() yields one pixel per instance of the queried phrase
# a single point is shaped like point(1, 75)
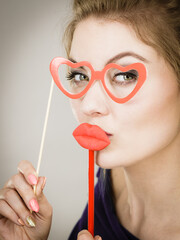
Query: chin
point(107, 160)
point(110, 159)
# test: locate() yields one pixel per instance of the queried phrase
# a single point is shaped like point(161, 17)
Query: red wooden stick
point(91, 193)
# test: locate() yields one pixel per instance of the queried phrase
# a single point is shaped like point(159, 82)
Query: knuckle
point(20, 184)
point(16, 179)
point(26, 189)
point(7, 184)
point(8, 193)
point(26, 168)
point(2, 204)
point(22, 163)
point(10, 182)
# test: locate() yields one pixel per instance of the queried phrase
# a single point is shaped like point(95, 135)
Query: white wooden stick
point(44, 131)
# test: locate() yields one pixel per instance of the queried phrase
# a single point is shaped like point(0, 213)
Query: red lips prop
point(93, 138)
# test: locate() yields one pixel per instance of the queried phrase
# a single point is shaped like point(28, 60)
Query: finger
point(84, 235)
point(40, 185)
point(45, 209)
point(31, 200)
point(18, 183)
point(7, 212)
point(15, 202)
point(29, 172)
point(97, 238)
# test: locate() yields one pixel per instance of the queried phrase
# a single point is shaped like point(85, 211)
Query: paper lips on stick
point(91, 137)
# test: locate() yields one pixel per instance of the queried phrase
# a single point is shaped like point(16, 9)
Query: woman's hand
point(85, 235)
point(17, 198)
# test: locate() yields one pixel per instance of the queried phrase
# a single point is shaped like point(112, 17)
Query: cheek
point(143, 128)
point(157, 115)
point(75, 107)
point(158, 121)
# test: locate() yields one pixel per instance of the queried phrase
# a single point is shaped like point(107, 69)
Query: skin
point(14, 205)
point(144, 151)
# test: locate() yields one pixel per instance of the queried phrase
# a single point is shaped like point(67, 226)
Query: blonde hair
point(155, 22)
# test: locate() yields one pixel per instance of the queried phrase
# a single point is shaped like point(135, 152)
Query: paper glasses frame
point(97, 75)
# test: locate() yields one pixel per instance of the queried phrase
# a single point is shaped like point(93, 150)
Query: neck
point(151, 189)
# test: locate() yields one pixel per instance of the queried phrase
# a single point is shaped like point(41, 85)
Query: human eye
point(76, 77)
point(125, 78)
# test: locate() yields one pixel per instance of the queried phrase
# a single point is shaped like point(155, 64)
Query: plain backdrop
point(30, 36)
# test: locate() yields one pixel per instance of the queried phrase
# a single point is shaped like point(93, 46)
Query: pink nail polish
point(34, 205)
point(33, 179)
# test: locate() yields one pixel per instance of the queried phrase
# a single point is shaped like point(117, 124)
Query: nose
point(95, 102)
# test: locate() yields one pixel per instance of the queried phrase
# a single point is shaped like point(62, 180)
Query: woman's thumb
point(85, 235)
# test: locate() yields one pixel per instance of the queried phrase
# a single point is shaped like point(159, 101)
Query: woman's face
point(143, 127)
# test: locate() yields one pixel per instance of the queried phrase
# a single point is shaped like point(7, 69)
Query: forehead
point(98, 40)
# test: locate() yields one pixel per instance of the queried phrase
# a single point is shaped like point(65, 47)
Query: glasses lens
point(119, 83)
point(74, 80)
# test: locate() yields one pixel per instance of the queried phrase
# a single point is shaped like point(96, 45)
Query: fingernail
point(34, 205)
point(33, 179)
point(20, 170)
point(30, 221)
point(21, 221)
point(44, 182)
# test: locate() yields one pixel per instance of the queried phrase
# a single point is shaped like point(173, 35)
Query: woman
point(139, 196)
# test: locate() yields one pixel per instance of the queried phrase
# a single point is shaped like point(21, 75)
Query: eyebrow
point(74, 61)
point(119, 56)
point(126, 54)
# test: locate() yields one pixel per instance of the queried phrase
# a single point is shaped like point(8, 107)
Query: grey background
point(30, 36)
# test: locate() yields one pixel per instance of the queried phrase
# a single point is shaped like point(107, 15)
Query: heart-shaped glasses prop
point(75, 79)
point(91, 137)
